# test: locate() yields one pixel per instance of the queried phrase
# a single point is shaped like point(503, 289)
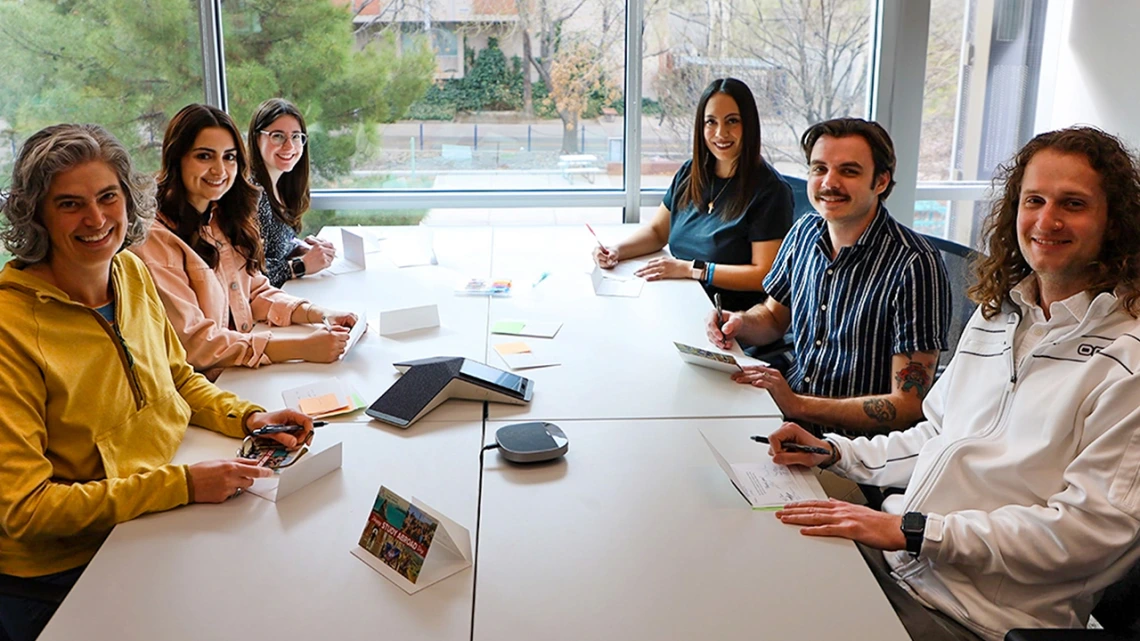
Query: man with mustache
point(868, 300)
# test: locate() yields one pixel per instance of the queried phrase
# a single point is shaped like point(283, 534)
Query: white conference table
point(249, 568)
point(617, 355)
point(638, 534)
point(462, 254)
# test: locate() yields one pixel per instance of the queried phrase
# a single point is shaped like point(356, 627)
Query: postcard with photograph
point(399, 534)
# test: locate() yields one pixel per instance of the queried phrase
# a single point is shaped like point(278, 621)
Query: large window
point(444, 96)
point(126, 66)
point(983, 64)
point(804, 61)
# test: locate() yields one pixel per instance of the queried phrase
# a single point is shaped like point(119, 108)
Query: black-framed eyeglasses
point(270, 453)
point(279, 137)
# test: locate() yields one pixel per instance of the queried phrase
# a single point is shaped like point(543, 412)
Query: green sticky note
point(508, 327)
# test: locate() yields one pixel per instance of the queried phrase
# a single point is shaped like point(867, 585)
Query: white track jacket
point(1028, 473)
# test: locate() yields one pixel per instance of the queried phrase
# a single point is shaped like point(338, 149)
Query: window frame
point(894, 94)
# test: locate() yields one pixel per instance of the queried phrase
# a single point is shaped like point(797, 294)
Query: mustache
point(830, 192)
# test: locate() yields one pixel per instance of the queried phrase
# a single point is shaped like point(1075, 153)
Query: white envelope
point(356, 332)
point(311, 467)
point(449, 553)
point(352, 258)
point(395, 321)
point(606, 285)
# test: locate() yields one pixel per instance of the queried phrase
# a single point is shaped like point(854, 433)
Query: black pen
point(719, 313)
point(277, 429)
point(795, 447)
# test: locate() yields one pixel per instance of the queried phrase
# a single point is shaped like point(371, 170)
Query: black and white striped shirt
point(887, 294)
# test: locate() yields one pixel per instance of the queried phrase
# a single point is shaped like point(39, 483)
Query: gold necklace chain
point(725, 186)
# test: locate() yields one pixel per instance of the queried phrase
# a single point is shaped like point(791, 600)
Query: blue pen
point(541, 278)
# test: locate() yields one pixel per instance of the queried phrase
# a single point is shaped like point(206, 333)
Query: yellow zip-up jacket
point(90, 415)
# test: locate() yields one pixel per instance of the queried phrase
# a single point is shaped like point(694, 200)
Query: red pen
point(599, 240)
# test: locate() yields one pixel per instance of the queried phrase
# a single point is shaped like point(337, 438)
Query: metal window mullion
point(900, 76)
point(634, 17)
point(213, 53)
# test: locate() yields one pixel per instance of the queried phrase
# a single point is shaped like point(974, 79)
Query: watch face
point(913, 522)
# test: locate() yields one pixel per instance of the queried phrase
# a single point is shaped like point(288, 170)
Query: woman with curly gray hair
point(95, 391)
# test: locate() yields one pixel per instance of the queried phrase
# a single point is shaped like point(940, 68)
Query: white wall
point(1096, 80)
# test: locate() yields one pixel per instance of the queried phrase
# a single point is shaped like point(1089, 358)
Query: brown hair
point(1002, 266)
point(236, 209)
point(695, 189)
point(56, 149)
point(293, 185)
point(882, 148)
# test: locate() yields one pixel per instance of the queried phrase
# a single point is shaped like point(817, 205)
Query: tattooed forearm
point(880, 409)
point(914, 376)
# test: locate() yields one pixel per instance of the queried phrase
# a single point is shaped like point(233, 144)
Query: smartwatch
point(298, 267)
point(913, 526)
point(698, 272)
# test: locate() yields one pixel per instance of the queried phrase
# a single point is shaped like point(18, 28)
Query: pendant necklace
point(723, 187)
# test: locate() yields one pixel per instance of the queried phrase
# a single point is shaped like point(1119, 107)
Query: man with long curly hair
point(1023, 484)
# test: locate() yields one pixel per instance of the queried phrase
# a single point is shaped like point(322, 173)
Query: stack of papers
point(520, 355)
point(329, 397)
point(611, 285)
point(764, 484)
point(526, 328)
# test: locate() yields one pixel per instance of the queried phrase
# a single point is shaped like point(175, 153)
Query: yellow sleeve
point(33, 505)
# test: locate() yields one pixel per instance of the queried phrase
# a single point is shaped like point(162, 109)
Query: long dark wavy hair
point(293, 185)
point(1116, 269)
point(696, 189)
point(236, 210)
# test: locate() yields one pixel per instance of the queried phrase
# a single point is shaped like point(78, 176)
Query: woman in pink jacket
point(205, 255)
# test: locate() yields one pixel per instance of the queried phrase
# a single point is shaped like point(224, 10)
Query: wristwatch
point(698, 272)
point(913, 526)
point(298, 267)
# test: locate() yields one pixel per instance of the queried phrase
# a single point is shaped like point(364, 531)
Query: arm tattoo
point(880, 409)
point(914, 376)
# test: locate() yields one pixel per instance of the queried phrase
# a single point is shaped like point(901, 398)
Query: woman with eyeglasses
point(726, 212)
point(205, 254)
point(95, 390)
point(279, 163)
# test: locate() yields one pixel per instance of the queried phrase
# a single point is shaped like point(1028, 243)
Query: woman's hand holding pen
point(291, 438)
point(606, 257)
point(325, 345)
point(317, 254)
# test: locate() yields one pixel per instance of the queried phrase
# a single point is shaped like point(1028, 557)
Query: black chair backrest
point(958, 259)
point(800, 203)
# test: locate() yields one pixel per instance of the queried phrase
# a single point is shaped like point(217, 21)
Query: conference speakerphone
point(427, 382)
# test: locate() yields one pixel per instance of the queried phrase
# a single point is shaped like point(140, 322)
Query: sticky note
point(507, 327)
point(321, 404)
point(512, 348)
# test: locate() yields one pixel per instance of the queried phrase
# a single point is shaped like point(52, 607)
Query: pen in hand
point(277, 429)
point(788, 446)
point(719, 313)
point(598, 240)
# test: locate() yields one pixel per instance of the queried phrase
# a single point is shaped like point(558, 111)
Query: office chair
point(958, 259)
point(779, 354)
point(1118, 612)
